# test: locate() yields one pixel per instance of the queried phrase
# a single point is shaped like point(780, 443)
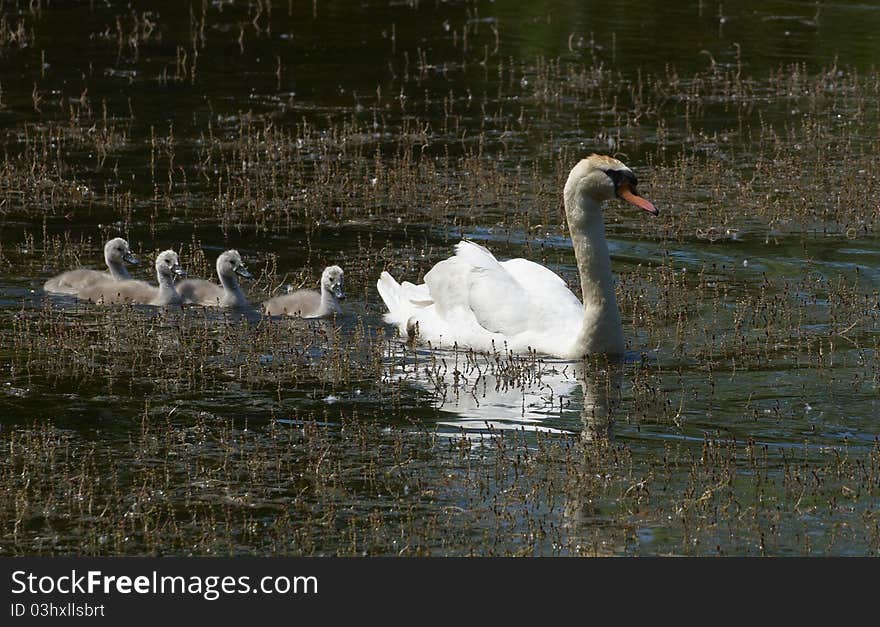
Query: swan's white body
point(311, 303)
point(473, 300)
point(116, 253)
point(139, 292)
point(227, 294)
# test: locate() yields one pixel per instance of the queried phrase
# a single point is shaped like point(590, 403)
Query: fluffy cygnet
point(116, 254)
point(227, 294)
point(311, 303)
point(114, 292)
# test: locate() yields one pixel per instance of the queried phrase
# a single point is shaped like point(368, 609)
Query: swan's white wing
point(532, 276)
point(499, 302)
point(476, 301)
point(417, 295)
point(473, 287)
point(447, 284)
point(474, 254)
point(544, 286)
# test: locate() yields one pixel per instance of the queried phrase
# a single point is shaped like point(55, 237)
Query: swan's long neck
point(166, 295)
point(328, 300)
point(601, 331)
point(117, 269)
point(166, 281)
point(231, 287)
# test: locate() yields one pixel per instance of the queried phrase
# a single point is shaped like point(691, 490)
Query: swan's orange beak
point(643, 203)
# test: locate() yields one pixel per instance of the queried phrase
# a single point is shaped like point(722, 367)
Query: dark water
point(374, 135)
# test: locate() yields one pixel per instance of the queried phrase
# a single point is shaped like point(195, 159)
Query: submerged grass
point(202, 484)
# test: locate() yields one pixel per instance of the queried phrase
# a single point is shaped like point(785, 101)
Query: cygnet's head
point(116, 251)
point(168, 265)
point(229, 264)
point(602, 178)
point(332, 280)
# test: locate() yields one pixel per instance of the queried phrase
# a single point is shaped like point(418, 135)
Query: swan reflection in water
point(483, 392)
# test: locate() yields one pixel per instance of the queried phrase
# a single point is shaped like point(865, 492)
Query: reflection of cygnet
point(116, 252)
point(227, 294)
point(311, 303)
point(112, 292)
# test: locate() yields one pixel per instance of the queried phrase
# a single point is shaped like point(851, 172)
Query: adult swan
point(475, 301)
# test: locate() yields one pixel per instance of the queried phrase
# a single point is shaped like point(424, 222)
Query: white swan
point(227, 294)
point(473, 300)
point(114, 292)
point(116, 251)
point(310, 303)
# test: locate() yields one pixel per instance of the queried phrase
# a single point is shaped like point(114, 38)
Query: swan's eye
point(622, 176)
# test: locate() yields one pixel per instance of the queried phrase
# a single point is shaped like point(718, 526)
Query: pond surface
point(374, 135)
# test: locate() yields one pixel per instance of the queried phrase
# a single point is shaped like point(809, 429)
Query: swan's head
point(116, 251)
point(229, 264)
point(602, 178)
point(331, 280)
point(168, 265)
